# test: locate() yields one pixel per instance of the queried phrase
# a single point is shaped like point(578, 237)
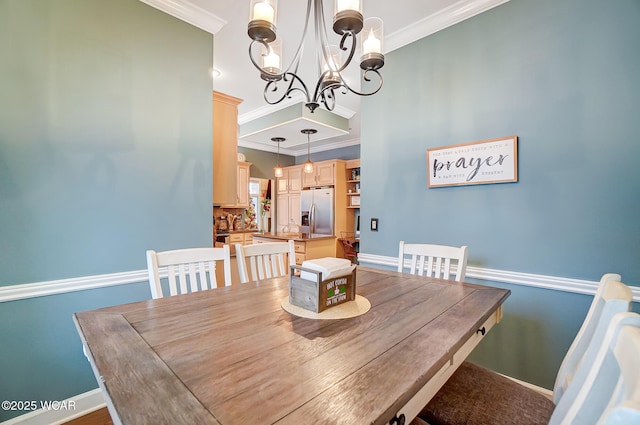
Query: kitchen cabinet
point(305, 249)
point(291, 180)
point(288, 207)
point(241, 198)
point(225, 148)
point(243, 184)
point(288, 197)
point(245, 238)
point(310, 249)
point(323, 174)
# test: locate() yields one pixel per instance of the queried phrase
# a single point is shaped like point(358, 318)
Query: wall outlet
point(374, 224)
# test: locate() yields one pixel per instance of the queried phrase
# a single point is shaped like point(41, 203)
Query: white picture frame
point(483, 162)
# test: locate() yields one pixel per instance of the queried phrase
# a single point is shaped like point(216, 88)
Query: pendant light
point(308, 166)
point(277, 171)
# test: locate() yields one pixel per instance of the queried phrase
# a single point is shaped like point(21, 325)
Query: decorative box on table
point(322, 283)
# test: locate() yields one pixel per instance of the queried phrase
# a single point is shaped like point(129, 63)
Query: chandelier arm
point(304, 88)
point(316, 92)
point(253, 61)
point(330, 96)
point(287, 93)
point(351, 52)
point(299, 52)
point(321, 35)
point(364, 77)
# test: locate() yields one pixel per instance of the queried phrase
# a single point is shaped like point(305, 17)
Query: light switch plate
point(374, 224)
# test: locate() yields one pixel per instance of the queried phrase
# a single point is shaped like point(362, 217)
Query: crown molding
point(190, 13)
point(445, 18)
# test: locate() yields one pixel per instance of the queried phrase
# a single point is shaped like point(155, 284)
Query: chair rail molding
point(556, 283)
point(54, 287)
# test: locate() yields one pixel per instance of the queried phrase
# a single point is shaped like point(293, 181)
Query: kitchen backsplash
point(227, 219)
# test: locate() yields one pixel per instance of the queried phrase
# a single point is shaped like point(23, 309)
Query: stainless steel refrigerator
point(316, 208)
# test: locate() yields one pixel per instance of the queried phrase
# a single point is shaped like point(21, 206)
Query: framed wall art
point(484, 162)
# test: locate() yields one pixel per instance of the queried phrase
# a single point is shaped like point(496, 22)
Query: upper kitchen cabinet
point(243, 184)
point(241, 198)
point(324, 173)
point(291, 180)
point(225, 149)
point(288, 196)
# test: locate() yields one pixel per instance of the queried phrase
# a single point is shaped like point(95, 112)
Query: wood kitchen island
point(307, 247)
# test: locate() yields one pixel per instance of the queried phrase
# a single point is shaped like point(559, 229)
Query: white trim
point(299, 152)
point(93, 400)
point(83, 404)
point(503, 276)
point(53, 287)
point(265, 148)
point(265, 110)
point(189, 13)
point(440, 20)
point(543, 391)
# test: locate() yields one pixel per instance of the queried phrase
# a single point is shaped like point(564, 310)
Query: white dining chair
point(478, 396)
point(265, 260)
point(188, 270)
point(610, 388)
point(578, 347)
point(439, 261)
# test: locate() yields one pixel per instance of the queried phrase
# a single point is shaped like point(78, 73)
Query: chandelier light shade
point(347, 16)
point(277, 171)
point(371, 44)
point(262, 20)
point(348, 22)
point(271, 60)
point(308, 166)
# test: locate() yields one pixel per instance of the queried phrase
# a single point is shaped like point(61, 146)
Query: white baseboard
point(93, 400)
point(69, 409)
point(545, 392)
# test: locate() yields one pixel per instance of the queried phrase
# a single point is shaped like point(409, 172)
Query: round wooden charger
point(346, 310)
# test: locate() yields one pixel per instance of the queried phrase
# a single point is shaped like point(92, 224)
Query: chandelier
point(347, 23)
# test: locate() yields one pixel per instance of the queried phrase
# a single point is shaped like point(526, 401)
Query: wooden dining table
point(233, 356)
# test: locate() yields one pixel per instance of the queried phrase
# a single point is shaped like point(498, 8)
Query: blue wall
point(562, 75)
point(349, 152)
point(105, 147)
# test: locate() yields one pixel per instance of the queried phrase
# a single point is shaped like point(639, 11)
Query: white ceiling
point(404, 22)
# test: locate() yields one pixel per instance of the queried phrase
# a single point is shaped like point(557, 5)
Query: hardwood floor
point(99, 417)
